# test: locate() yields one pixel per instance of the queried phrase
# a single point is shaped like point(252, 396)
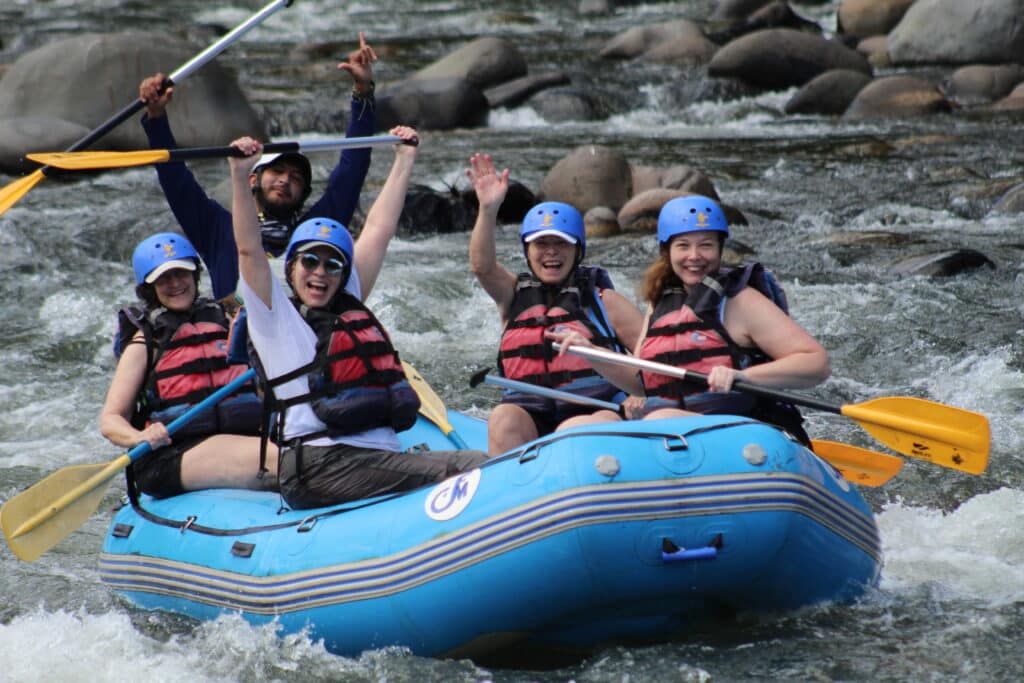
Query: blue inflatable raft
point(616, 533)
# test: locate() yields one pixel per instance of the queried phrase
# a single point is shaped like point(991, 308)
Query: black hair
point(146, 292)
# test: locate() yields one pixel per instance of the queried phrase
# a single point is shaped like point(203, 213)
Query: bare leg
point(508, 427)
point(592, 419)
point(228, 461)
point(670, 412)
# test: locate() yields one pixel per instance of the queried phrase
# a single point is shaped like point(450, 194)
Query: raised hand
point(360, 65)
point(491, 187)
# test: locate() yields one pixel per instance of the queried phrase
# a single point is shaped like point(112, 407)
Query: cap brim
point(565, 237)
point(169, 265)
point(306, 246)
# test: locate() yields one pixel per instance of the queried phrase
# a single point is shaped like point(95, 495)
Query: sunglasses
point(332, 266)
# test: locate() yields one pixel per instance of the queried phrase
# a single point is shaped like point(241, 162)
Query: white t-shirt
point(285, 341)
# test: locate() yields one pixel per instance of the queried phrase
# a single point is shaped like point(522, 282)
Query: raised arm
point(252, 259)
point(491, 188)
point(382, 221)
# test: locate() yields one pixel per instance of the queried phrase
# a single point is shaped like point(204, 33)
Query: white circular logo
point(451, 496)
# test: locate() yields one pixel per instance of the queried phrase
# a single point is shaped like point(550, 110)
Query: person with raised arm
point(328, 365)
point(281, 183)
point(557, 291)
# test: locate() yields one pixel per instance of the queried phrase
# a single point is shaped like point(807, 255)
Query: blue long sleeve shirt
point(207, 224)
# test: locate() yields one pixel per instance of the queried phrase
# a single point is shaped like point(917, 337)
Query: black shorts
point(316, 476)
point(547, 421)
point(158, 473)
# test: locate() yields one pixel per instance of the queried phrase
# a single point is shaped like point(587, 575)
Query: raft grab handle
point(670, 552)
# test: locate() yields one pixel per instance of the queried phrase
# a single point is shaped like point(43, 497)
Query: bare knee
point(591, 419)
point(509, 426)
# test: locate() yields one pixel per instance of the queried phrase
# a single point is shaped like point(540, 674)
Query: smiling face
point(281, 187)
point(694, 255)
point(551, 259)
point(316, 287)
point(176, 289)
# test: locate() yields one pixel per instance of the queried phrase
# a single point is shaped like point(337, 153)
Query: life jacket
point(525, 355)
point(186, 362)
point(686, 330)
point(356, 381)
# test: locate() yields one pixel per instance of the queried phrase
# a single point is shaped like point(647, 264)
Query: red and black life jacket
point(524, 353)
point(356, 381)
point(186, 362)
point(688, 331)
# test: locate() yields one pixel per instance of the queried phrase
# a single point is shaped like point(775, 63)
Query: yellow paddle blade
point(431, 405)
point(84, 161)
point(12, 192)
point(947, 436)
point(859, 465)
point(47, 512)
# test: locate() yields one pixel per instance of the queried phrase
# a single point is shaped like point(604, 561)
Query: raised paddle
point(42, 515)
point(859, 465)
point(11, 193)
point(431, 405)
point(941, 434)
point(93, 160)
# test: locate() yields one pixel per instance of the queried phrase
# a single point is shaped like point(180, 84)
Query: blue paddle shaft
point(527, 388)
point(193, 412)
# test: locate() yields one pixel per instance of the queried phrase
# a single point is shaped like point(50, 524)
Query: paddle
point(41, 516)
point(431, 405)
point(92, 160)
point(941, 434)
point(859, 465)
point(482, 376)
point(11, 193)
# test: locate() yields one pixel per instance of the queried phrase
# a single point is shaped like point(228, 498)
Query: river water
point(951, 601)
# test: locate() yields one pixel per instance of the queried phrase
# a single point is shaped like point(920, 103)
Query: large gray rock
point(1012, 201)
point(781, 58)
point(81, 82)
point(959, 32)
point(982, 83)
point(438, 104)
point(41, 133)
point(484, 63)
point(943, 264)
point(896, 97)
point(736, 9)
point(863, 18)
point(829, 94)
point(675, 42)
point(589, 176)
point(515, 92)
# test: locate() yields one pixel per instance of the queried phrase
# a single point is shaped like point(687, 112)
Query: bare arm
point(119, 405)
point(798, 360)
point(626, 319)
point(491, 188)
point(382, 221)
point(253, 265)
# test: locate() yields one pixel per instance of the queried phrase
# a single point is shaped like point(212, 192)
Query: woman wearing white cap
point(172, 354)
point(557, 292)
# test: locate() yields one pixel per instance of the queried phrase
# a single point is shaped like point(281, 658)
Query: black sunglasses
point(332, 266)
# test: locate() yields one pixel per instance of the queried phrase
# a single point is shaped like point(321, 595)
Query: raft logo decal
point(451, 496)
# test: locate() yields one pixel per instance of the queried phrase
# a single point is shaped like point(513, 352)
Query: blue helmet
point(554, 218)
point(324, 231)
point(161, 252)
point(690, 214)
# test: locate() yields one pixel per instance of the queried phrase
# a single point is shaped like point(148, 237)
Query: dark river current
point(951, 601)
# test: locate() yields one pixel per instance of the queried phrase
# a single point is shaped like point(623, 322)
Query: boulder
point(99, 74)
point(1014, 102)
point(484, 63)
point(589, 176)
point(896, 97)
point(982, 83)
point(863, 18)
point(782, 58)
point(601, 221)
point(675, 177)
point(437, 104)
point(677, 42)
point(730, 10)
point(943, 264)
point(640, 213)
point(515, 92)
point(959, 32)
point(829, 94)
point(569, 103)
point(1012, 201)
